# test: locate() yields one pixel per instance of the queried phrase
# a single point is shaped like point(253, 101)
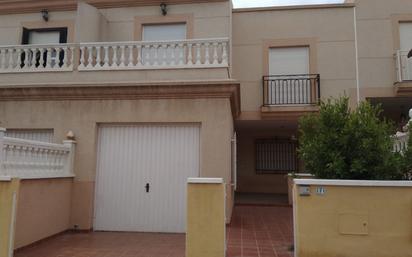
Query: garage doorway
point(142, 172)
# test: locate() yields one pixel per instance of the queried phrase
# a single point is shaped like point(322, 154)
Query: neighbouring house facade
point(159, 91)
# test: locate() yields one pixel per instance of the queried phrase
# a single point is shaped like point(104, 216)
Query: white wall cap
point(5, 178)
point(300, 174)
point(205, 180)
point(46, 176)
point(359, 183)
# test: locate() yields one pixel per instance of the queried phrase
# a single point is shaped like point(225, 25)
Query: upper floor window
point(289, 81)
point(163, 32)
point(404, 62)
point(288, 60)
point(44, 36)
point(160, 32)
point(405, 31)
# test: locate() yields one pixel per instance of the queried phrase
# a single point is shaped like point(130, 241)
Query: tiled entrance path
point(108, 244)
point(260, 231)
point(255, 231)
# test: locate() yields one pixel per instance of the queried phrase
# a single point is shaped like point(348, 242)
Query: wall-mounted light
point(163, 8)
point(45, 14)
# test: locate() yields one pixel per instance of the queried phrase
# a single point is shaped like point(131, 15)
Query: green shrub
point(338, 143)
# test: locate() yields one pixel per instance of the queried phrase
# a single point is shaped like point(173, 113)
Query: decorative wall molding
point(128, 91)
point(30, 6)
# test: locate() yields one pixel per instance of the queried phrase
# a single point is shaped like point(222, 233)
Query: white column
point(122, 56)
point(19, 62)
point(10, 59)
point(106, 59)
point(2, 58)
point(98, 57)
point(225, 57)
point(41, 62)
point(215, 56)
point(139, 56)
point(198, 56)
point(65, 57)
point(130, 63)
point(82, 57)
point(48, 59)
point(69, 169)
point(90, 57)
point(207, 55)
point(190, 55)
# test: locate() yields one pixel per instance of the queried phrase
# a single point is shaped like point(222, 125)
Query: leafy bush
point(338, 143)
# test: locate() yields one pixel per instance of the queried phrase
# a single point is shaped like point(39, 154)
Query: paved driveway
point(255, 231)
point(260, 231)
point(108, 244)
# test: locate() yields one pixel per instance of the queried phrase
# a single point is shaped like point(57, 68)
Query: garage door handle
point(147, 187)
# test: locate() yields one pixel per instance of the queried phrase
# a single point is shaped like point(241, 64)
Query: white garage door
point(141, 177)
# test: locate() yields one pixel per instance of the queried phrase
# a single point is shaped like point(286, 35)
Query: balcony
point(403, 83)
point(199, 54)
point(290, 94)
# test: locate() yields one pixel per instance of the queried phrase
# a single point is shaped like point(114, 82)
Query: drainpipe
point(355, 27)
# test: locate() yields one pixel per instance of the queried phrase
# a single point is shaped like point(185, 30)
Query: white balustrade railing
point(34, 159)
point(37, 58)
point(196, 53)
point(401, 142)
point(401, 139)
point(403, 66)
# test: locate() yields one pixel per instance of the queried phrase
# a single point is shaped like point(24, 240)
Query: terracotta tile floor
point(108, 244)
point(255, 231)
point(260, 231)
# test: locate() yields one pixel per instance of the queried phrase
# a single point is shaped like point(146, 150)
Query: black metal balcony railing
point(291, 89)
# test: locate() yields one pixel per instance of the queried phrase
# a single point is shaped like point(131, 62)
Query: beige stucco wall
point(83, 117)
point(11, 25)
point(210, 20)
point(84, 77)
point(43, 210)
point(248, 180)
point(354, 221)
point(90, 23)
point(378, 39)
point(330, 30)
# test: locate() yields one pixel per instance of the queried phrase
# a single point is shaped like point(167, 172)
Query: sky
point(264, 3)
